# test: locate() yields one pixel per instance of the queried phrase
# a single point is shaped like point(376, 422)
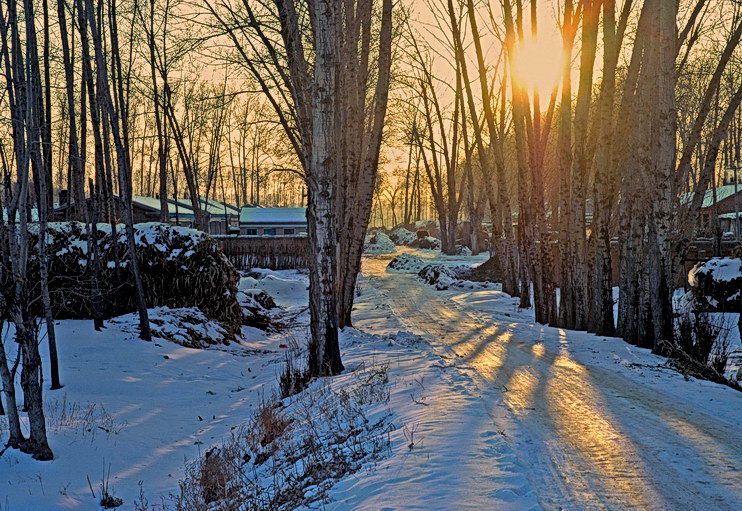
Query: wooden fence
point(274, 252)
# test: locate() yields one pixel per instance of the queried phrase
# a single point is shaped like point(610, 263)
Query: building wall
point(266, 230)
point(724, 206)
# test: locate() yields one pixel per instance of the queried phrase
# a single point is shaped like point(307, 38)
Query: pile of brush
point(180, 267)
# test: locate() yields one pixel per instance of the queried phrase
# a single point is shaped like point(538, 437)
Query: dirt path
point(591, 437)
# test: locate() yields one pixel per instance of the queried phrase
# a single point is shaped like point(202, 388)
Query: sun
point(537, 65)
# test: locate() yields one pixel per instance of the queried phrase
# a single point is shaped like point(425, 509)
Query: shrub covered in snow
point(717, 284)
point(402, 236)
point(406, 263)
point(427, 243)
point(180, 268)
point(702, 347)
point(442, 277)
point(379, 243)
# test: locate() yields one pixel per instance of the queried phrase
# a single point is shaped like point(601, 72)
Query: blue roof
point(273, 216)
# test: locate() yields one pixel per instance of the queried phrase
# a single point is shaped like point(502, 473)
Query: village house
point(728, 202)
point(221, 218)
point(255, 221)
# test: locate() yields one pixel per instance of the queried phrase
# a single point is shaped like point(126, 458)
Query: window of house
point(269, 232)
point(251, 232)
point(289, 231)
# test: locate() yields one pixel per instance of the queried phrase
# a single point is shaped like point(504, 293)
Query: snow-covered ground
point(585, 422)
point(140, 410)
point(135, 410)
point(487, 409)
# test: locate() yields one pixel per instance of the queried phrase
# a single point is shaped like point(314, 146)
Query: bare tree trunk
point(26, 333)
point(324, 353)
point(577, 242)
point(124, 169)
point(77, 190)
point(564, 149)
point(7, 378)
point(660, 228)
point(161, 144)
point(601, 319)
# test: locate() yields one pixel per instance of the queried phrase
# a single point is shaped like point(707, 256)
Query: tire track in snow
point(593, 438)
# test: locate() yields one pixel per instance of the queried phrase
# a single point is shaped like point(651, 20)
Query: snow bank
point(259, 308)
point(379, 243)
point(406, 263)
point(292, 452)
point(138, 408)
point(444, 277)
point(463, 251)
point(288, 288)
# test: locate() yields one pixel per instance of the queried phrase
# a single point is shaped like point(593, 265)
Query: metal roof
point(273, 216)
point(722, 192)
point(153, 203)
point(212, 207)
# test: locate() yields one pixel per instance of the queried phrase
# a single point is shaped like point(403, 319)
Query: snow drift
point(427, 243)
point(402, 236)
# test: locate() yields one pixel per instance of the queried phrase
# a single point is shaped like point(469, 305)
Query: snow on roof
point(731, 215)
point(722, 192)
point(262, 216)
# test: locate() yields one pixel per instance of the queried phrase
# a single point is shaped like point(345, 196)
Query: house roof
point(153, 203)
point(212, 207)
point(231, 208)
point(722, 192)
point(273, 216)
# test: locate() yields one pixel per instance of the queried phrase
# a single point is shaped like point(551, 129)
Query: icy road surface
point(592, 432)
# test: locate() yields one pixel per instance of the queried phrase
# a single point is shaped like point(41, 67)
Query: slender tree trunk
point(601, 319)
point(324, 353)
point(124, 169)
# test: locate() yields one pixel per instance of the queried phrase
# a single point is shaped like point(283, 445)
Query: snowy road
point(591, 436)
